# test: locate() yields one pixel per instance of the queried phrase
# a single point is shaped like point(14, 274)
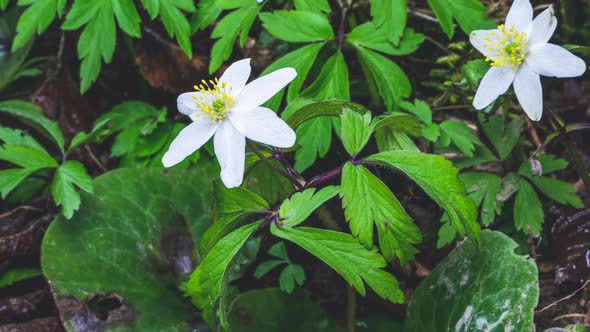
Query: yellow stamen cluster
point(508, 48)
point(216, 100)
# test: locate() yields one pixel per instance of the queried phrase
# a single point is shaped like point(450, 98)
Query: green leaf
point(296, 312)
point(279, 250)
point(220, 229)
point(367, 200)
point(296, 116)
point(503, 137)
point(140, 226)
point(528, 211)
point(369, 36)
point(346, 256)
point(461, 136)
point(292, 274)
point(399, 122)
point(420, 109)
point(239, 199)
point(477, 288)
point(474, 71)
point(297, 26)
point(315, 137)
point(227, 30)
point(316, 6)
point(205, 283)
point(549, 164)
point(390, 140)
point(390, 16)
point(483, 188)
point(176, 24)
point(301, 60)
point(559, 191)
point(35, 19)
point(266, 267)
point(470, 14)
point(64, 194)
point(15, 275)
point(392, 82)
point(26, 157)
point(18, 137)
point(356, 130)
point(299, 207)
point(11, 178)
point(439, 179)
point(206, 14)
point(32, 116)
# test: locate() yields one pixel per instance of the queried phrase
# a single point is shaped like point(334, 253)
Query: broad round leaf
point(117, 264)
point(477, 289)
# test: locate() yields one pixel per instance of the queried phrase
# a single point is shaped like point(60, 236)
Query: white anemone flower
point(519, 52)
point(230, 110)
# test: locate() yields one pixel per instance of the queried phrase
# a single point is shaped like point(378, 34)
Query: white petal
point(186, 103)
point(188, 141)
point(554, 61)
point(495, 82)
point(520, 15)
point(543, 27)
point(482, 40)
point(236, 76)
point(527, 86)
point(230, 149)
point(263, 125)
point(262, 89)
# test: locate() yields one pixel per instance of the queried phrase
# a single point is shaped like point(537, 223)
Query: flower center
point(215, 100)
point(508, 48)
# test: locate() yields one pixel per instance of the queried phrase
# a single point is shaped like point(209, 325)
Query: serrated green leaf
point(237, 200)
point(299, 207)
point(316, 6)
point(32, 116)
point(26, 157)
point(369, 36)
point(420, 109)
point(470, 14)
point(483, 188)
point(279, 250)
point(399, 122)
point(367, 200)
point(477, 288)
point(549, 164)
point(306, 110)
point(528, 211)
point(392, 82)
point(11, 178)
point(176, 24)
point(64, 194)
point(227, 30)
point(390, 16)
point(356, 130)
point(297, 26)
point(220, 228)
point(127, 17)
point(461, 136)
point(206, 14)
point(348, 257)
point(503, 137)
point(559, 191)
point(35, 19)
point(205, 283)
point(439, 179)
point(314, 138)
point(301, 60)
point(18, 137)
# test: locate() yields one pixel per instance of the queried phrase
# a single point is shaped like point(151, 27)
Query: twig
point(569, 316)
point(18, 208)
point(564, 298)
point(350, 308)
point(533, 132)
point(437, 44)
point(93, 157)
point(274, 166)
